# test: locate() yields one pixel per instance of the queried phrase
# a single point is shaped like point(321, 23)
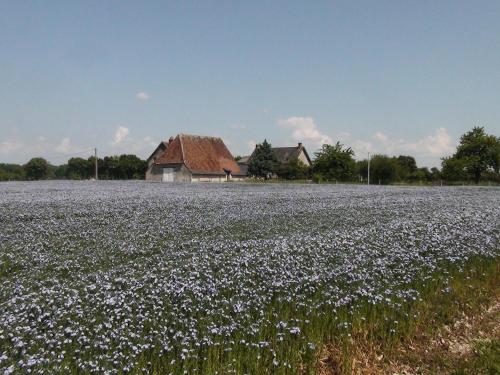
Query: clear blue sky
point(381, 76)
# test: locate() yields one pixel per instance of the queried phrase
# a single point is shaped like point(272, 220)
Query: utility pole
point(368, 168)
point(96, 174)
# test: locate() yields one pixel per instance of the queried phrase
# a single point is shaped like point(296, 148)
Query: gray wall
point(154, 173)
point(182, 174)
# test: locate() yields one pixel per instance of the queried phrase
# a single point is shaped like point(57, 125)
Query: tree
point(11, 172)
point(78, 168)
point(36, 169)
point(454, 169)
point(335, 162)
point(263, 162)
point(111, 167)
point(435, 174)
point(407, 166)
point(131, 167)
point(293, 170)
point(61, 171)
point(479, 151)
point(362, 168)
point(494, 152)
point(100, 167)
point(420, 174)
point(383, 169)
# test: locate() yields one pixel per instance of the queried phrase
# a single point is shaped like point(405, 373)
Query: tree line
point(476, 159)
point(110, 168)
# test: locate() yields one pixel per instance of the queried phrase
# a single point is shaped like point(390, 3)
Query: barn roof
point(162, 146)
point(200, 154)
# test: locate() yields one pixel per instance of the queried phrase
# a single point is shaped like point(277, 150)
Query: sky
point(391, 77)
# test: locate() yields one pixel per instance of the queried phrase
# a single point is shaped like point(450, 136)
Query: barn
point(192, 158)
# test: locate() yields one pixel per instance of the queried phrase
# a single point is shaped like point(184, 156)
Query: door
point(168, 175)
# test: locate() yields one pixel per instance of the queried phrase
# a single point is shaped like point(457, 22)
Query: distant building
point(192, 158)
point(243, 164)
point(284, 155)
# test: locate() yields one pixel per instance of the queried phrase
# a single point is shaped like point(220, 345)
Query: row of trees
point(110, 168)
point(477, 158)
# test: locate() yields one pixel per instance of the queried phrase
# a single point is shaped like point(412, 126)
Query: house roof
point(286, 154)
point(162, 146)
point(200, 154)
point(244, 160)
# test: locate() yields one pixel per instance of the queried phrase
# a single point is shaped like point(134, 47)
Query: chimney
point(300, 145)
point(170, 139)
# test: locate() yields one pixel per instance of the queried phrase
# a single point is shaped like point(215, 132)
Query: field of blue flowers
point(135, 277)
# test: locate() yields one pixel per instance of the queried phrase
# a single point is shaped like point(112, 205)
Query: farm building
point(192, 158)
point(284, 155)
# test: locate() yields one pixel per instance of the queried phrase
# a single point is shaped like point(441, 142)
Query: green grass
point(7, 267)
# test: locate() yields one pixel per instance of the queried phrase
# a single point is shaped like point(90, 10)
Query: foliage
point(131, 167)
point(454, 169)
point(335, 162)
point(61, 171)
point(435, 174)
point(476, 153)
point(362, 169)
point(383, 169)
point(318, 178)
point(263, 162)
point(407, 167)
point(11, 172)
point(78, 169)
point(111, 167)
point(386, 170)
point(37, 169)
point(419, 175)
point(494, 152)
point(295, 169)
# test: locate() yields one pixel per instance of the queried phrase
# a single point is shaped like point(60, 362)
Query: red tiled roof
point(199, 154)
point(173, 154)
